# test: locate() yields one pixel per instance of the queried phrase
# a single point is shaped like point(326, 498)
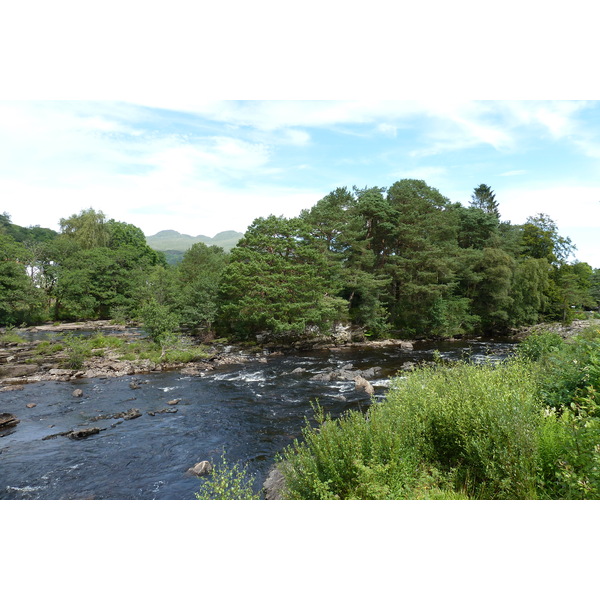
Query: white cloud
point(513, 173)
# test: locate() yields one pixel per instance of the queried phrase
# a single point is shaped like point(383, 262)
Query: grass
point(11, 337)
point(79, 348)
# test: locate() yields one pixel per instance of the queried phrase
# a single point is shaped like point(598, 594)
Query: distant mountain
point(169, 239)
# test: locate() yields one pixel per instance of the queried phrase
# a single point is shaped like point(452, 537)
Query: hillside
point(169, 239)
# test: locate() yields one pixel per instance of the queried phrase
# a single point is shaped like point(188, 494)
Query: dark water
point(250, 411)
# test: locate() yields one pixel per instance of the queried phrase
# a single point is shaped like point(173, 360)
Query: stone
point(360, 383)
point(161, 411)
point(7, 420)
point(172, 402)
point(16, 370)
point(323, 377)
point(274, 485)
point(298, 370)
point(79, 434)
point(77, 393)
point(31, 405)
point(201, 468)
point(132, 413)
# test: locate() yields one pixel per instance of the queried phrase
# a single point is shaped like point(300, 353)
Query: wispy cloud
point(513, 173)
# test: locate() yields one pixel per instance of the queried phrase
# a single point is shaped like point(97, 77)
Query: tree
point(541, 239)
point(88, 229)
point(484, 198)
point(199, 275)
point(20, 300)
point(277, 281)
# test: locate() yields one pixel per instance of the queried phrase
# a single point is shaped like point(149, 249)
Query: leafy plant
point(227, 482)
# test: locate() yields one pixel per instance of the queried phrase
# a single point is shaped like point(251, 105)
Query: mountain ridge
point(169, 239)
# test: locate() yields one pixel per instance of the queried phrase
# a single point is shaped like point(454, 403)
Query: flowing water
point(250, 411)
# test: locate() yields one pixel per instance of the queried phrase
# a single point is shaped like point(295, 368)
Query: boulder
point(77, 393)
point(16, 370)
point(172, 402)
point(79, 434)
point(132, 413)
point(323, 376)
point(360, 383)
point(31, 405)
point(201, 468)
point(274, 485)
point(161, 411)
point(7, 420)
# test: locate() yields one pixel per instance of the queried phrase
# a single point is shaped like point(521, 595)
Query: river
point(250, 411)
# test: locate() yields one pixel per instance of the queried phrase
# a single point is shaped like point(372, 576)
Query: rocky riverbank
point(564, 330)
point(21, 362)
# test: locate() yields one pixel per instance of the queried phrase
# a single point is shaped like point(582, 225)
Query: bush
point(227, 482)
point(476, 431)
point(77, 349)
point(568, 371)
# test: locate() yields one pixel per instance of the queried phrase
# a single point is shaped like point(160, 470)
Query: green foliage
point(277, 281)
point(484, 198)
point(77, 350)
point(199, 275)
point(541, 239)
point(46, 348)
point(88, 229)
point(20, 300)
point(158, 321)
point(227, 482)
point(11, 337)
point(569, 370)
point(464, 431)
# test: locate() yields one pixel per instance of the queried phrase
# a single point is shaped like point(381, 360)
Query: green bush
point(465, 431)
point(77, 350)
point(569, 370)
point(227, 482)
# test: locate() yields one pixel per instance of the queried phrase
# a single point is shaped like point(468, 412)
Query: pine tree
point(483, 197)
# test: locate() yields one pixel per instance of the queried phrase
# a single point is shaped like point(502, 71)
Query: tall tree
point(540, 239)
point(277, 281)
point(484, 198)
point(88, 229)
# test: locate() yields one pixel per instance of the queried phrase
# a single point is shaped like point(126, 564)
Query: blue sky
point(206, 166)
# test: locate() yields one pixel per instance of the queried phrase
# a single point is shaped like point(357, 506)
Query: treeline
point(402, 261)
point(399, 261)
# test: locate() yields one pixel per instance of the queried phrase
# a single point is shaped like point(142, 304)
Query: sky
point(201, 167)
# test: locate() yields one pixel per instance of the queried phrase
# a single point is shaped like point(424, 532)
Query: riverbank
point(25, 361)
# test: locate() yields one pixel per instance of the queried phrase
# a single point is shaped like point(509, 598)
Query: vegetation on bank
point(527, 428)
point(401, 261)
point(71, 351)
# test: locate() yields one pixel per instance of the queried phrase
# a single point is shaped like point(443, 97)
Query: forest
point(402, 261)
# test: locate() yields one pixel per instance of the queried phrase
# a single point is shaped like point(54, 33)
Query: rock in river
point(83, 433)
point(201, 468)
point(7, 420)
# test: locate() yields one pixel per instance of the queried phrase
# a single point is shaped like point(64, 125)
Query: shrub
point(227, 482)
point(77, 349)
point(468, 430)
